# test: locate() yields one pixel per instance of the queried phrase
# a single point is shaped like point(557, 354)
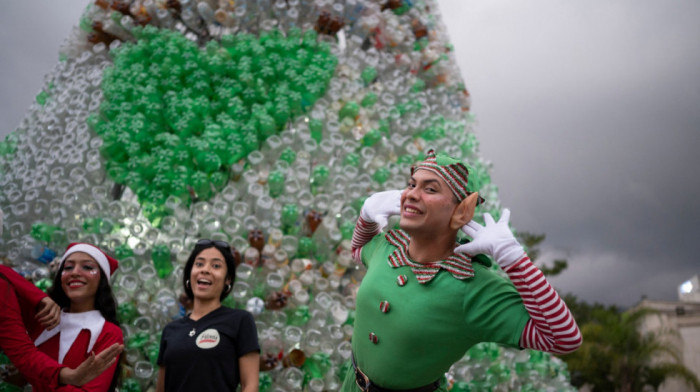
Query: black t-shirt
point(207, 359)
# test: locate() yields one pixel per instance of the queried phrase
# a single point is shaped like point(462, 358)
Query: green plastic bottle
point(160, 254)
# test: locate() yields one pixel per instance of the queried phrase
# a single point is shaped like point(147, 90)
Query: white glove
point(380, 206)
point(495, 239)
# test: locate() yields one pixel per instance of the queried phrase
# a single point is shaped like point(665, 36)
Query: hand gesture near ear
point(495, 240)
point(380, 206)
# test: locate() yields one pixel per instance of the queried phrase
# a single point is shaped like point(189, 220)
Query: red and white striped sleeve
point(551, 327)
point(363, 233)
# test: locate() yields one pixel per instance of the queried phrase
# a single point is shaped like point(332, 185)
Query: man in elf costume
point(425, 299)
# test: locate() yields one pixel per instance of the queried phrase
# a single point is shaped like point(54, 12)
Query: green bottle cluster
point(160, 254)
point(176, 117)
point(44, 232)
point(9, 145)
point(524, 371)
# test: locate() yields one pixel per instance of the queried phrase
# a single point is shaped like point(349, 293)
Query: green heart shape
point(176, 117)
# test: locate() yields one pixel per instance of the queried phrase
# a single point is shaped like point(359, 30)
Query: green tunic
point(428, 326)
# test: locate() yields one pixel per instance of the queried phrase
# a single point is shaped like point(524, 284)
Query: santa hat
point(107, 264)
point(452, 171)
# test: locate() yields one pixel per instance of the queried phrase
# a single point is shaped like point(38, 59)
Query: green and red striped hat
point(452, 171)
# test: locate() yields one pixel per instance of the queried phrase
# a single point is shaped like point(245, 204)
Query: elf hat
point(107, 264)
point(450, 170)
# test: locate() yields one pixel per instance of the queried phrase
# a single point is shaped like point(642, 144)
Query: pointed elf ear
point(464, 212)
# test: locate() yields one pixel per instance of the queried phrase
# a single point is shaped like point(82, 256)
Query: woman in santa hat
point(34, 306)
point(88, 322)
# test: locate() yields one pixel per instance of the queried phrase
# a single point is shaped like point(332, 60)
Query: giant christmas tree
point(263, 123)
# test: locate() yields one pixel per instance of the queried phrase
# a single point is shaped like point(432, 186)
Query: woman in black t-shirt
point(213, 348)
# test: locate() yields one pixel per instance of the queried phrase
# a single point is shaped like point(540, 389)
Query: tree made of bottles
point(265, 123)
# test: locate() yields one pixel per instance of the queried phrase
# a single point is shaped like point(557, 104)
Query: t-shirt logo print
point(208, 339)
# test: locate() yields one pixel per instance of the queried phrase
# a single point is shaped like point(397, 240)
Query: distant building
point(689, 291)
point(682, 319)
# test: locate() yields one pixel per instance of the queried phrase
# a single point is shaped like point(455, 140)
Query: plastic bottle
point(160, 254)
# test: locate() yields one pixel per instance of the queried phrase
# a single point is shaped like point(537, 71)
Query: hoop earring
point(187, 283)
point(228, 287)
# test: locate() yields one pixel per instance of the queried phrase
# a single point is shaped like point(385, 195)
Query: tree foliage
point(616, 356)
point(532, 242)
point(585, 313)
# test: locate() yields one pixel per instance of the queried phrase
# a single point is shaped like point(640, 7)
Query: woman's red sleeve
point(14, 340)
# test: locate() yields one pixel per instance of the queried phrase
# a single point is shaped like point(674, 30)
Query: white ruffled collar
point(70, 326)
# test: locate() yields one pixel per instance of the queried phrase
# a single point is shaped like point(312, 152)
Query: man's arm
point(374, 216)
point(551, 327)
point(363, 233)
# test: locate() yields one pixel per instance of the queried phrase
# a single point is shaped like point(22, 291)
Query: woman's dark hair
point(228, 258)
point(104, 302)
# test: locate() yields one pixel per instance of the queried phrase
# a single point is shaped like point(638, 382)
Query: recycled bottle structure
point(263, 123)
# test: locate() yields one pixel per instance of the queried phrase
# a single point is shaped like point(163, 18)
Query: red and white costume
point(76, 337)
point(15, 312)
point(80, 334)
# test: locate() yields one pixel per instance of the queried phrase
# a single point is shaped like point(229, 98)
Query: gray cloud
point(590, 115)
point(31, 33)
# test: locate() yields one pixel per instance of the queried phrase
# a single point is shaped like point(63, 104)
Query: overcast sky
point(589, 111)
